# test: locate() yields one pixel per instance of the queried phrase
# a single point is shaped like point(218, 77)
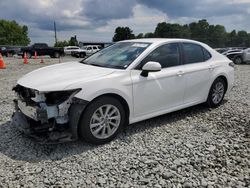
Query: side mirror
point(150, 66)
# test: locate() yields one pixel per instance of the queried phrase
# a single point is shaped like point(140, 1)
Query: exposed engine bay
point(48, 116)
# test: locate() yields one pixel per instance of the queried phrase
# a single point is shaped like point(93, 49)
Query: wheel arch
point(222, 76)
point(121, 99)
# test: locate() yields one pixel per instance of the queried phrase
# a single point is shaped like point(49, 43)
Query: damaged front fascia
point(44, 112)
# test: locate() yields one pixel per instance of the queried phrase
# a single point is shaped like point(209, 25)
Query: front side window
point(119, 55)
point(194, 53)
point(168, 55)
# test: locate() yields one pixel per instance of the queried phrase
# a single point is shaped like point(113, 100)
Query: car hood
point(60, 76)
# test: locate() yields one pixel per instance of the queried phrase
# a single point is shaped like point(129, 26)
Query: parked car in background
point(42, 49)
point(69, 49)
point(86, 51)
point(10, 50)
point(127, 82)
point(238, 56)
point(246, 55)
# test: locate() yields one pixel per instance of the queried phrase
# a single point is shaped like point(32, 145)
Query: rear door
point(198, 70)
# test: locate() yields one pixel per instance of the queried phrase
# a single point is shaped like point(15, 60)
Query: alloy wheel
point(218, 92)
point(105, 121)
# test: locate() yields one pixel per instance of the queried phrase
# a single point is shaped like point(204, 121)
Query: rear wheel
point(102, 120)
point(82, 55)
point(237, 60)
point(216, 93)
point(56, 55)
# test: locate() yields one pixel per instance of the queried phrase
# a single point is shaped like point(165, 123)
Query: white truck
point(85, 51)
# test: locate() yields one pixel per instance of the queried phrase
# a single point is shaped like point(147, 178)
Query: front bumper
point(34, 122)
point(43, 133)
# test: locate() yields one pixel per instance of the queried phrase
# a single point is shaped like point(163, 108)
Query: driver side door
point(159, 91)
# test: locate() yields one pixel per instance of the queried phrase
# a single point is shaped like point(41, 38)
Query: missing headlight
point(58, 97)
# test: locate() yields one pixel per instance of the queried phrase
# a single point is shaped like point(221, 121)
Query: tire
point(216, 95)
point(238, 60)
point(29, 55)
point(82, 55)
point(102, 131)
point(56, 55)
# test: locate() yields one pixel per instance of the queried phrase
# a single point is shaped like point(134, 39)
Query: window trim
point(202, 48)
point(180, 53)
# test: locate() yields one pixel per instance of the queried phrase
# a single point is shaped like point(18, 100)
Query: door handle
point(180, 73)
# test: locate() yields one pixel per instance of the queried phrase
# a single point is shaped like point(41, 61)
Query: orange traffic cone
point(2, 64)
point(42, 61)
point(25, 59)
point(35, 55)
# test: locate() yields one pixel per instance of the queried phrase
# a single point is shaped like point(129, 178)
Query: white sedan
point(125, 83)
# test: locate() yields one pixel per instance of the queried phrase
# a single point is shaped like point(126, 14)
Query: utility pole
point(55, 32)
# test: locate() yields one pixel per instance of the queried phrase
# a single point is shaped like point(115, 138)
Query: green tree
point(200, 30)
point(214, 35)
point(139, 36)
point(11, 33)
point(168, 30)
point(217, 36)
point(123, 33)
point(61, 43)
point(149, 35)
point(71, 42)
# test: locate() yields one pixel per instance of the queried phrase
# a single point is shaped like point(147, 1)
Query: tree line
point(213, 35)
point(11, 33)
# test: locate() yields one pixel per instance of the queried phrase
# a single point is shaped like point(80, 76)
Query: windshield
point(119, 55)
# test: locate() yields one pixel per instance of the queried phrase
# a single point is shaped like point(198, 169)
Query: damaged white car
point(127, 82)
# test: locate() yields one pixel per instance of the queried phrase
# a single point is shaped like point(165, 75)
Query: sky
point(96, 20)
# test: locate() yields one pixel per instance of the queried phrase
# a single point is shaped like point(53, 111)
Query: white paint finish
point(246, 55)
point(58, 77)
point(69, 49)
point(161, 92)
point(198, 79)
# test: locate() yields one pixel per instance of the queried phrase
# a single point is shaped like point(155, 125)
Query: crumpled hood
point(60, 76)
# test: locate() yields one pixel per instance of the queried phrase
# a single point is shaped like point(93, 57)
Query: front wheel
point(102, 120)
point(216, 93)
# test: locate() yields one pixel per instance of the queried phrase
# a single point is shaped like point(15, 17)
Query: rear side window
point(195, 53)
point(207, 55)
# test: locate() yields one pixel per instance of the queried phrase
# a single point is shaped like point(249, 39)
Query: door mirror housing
point(150, 66)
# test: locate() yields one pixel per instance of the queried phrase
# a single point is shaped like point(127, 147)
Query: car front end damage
point(50, 117)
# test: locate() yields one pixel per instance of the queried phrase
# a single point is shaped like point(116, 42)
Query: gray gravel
point(194, 147)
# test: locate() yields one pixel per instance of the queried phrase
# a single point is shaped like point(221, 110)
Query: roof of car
point(160, 40)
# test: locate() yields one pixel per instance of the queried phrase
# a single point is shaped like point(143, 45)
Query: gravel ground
point(194, 147)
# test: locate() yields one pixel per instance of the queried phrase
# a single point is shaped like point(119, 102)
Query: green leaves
point(11, 33)
point(214, 35)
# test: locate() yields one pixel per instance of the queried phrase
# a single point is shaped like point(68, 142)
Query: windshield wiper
point(97, 65)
